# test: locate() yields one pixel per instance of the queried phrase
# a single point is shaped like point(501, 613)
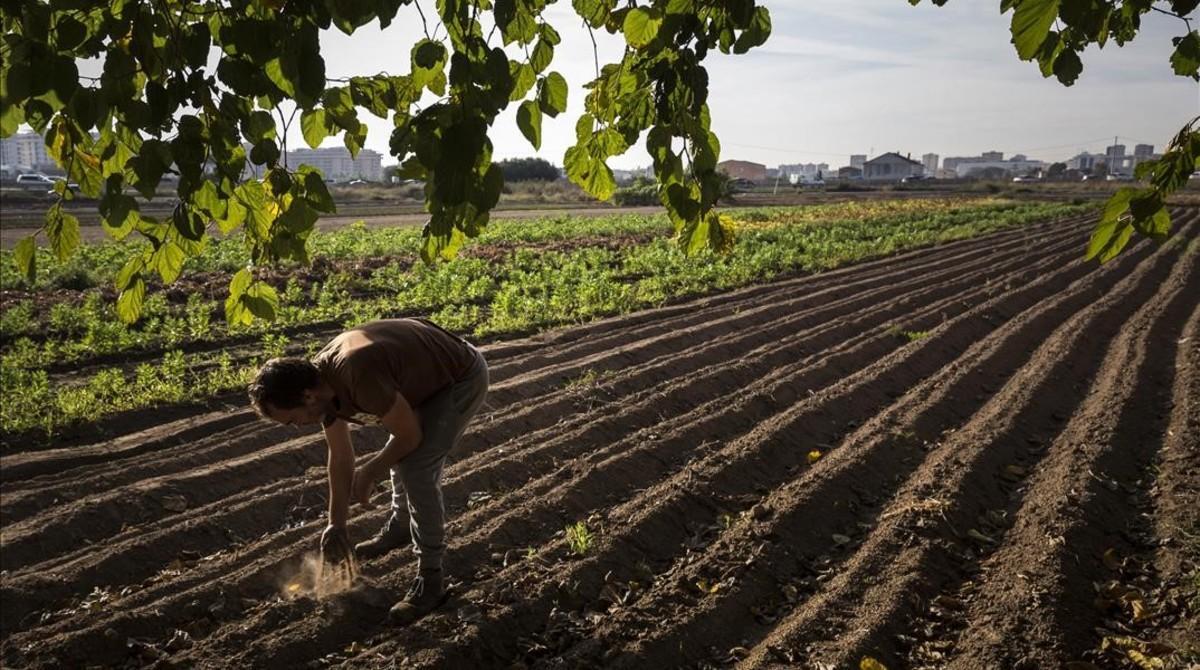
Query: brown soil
point(774, 476)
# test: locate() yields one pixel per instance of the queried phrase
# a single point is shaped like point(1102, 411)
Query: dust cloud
point(313, 578)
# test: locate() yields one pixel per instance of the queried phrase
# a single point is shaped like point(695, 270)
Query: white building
point(804, 172)
point(930, 161)
point(891, 167)
point(1084, 161)
point(858, 160)
point(1017, 165)
point(335, 163)
point(25, 151)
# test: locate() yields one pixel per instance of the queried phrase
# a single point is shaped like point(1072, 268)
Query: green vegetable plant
point(579, 538)
point(208, 91)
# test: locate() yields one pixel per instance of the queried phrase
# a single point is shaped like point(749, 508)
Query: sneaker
point(393, 535)
point(424, 596)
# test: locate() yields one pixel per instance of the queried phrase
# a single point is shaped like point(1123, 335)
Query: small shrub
point(579, 538)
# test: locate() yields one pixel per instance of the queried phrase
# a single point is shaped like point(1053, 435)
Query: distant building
point(1016, 166)
point(336, 163)
point(25, 152)
point(951, 162)
point(744, 170)
point(804, 172)
point(945, 173)
point(1084, 161)
point(849, 172)
point(858, 160)
point(1141, 154)
point(992, 156)
point(891, 166)
point(930, 162)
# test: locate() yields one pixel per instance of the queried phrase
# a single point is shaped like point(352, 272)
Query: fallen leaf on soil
point(1143, 661)
point(868, 663)
point(980, 537)
point(1111, 561)
point(813, 456)
point(173, 503)
point(841, 539)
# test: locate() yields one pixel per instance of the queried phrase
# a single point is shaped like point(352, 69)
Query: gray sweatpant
point(444, 417)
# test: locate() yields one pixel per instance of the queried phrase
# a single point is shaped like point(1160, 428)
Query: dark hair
point(281, 382)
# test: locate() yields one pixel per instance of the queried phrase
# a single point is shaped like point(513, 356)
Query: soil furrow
point(669, 375)
point(809, 516)
point(1176, 501)
point(913, 563)
point(735, 471)
point(1082, 502)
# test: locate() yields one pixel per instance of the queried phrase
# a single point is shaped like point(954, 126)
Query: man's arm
point(405, 428)
point(341, 471)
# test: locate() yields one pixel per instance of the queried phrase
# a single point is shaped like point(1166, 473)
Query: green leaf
point(553, 94)
point(523, 78)
point(129, 303)
point(641, 26)
point(591, 174)
point(131, 269)
point(542, 54)
point(594, 12)
point(314, 127)
point(529, 120)
point(282, 73)
point(444, 247)
point(1113, 230)
point(63, 230)
point(428, 65)
point(234, 217)
point(25, 256)
point(317, 193)
point(261, 300)
point(240, 282)
point(1186, 58)
point(1067, 66)
point(756, 33)
point(259, 126)
point(265, 152)
point(168, 261)
point(1031, 23)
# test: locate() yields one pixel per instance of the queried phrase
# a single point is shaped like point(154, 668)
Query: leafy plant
point(579, 538)
point(158, 108)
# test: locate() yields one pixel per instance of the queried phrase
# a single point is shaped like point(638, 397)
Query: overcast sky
point(857, 76)
point(867, 76)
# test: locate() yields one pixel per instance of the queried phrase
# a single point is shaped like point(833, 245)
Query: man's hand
point(365, 478)
point(335, 546)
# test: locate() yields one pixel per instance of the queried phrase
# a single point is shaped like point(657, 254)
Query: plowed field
point(983, 454)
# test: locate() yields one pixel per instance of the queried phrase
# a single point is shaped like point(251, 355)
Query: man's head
point(288, 390)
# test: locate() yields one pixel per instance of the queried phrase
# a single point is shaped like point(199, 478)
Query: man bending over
point(423, 385)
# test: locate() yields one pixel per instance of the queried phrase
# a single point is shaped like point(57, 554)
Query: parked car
point(34, 180)
point(1025, 179)
point(914, 178)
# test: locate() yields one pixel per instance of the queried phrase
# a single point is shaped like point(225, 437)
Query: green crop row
point(522, 285)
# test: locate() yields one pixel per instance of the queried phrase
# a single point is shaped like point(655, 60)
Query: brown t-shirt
point(367, 365)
